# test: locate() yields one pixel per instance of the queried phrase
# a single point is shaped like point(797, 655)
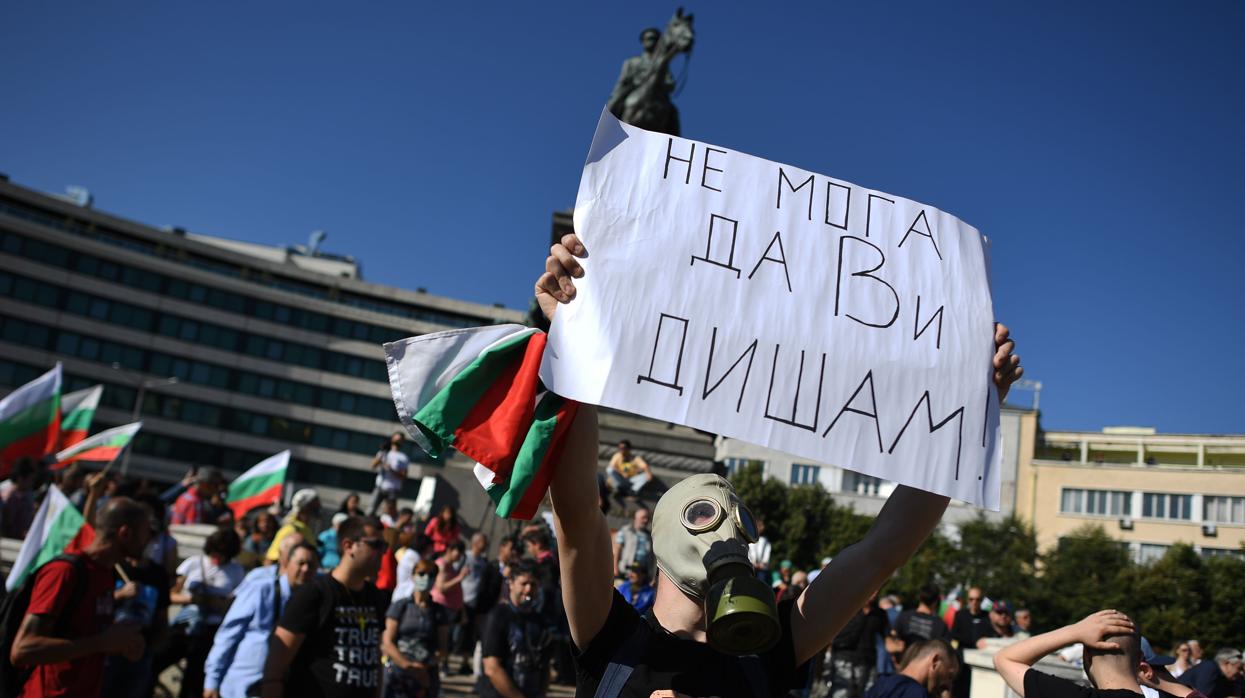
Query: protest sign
point(785, 308)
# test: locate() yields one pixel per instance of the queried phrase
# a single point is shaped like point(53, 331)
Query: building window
point(1230, 510)
point(804, 474)
point(861, 484)
point(1096, 502)
point(1224, 552)
point(1151, 552)
point(734, 465)
point(1157, 505)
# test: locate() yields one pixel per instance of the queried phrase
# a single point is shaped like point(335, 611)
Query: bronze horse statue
point(642, 95)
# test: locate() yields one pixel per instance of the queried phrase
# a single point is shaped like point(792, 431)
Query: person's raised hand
point(1093, 630)
point(1007, 368)
point(557, 284)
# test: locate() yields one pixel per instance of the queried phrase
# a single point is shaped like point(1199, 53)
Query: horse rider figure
point(642, 96)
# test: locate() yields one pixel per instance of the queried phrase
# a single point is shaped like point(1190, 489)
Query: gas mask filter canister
point(701, 533)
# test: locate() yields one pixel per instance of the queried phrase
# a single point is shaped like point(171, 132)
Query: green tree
point(999, 556)
point(1222, 624)
point(930, 565)
point(1079, 576)
point(1167, 598)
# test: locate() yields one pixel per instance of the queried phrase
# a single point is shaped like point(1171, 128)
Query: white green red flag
point(259, 486)
point(103, 447)
point(30, 420)
point(77, 413)
point(479, 392)
point(58, 527)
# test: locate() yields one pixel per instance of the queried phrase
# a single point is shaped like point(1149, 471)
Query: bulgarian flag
point(258, 486)
point(478, 391)
point(58, 527)
point(30, 420)
point(77, 411)
point(104, 447)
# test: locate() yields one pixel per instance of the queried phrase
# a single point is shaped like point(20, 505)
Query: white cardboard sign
point(782, 307)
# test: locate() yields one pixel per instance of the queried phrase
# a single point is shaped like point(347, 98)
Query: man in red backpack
point(68, 627)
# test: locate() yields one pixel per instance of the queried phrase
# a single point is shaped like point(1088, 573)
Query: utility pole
point(141, 384)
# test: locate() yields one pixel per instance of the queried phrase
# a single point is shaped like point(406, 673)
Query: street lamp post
point(141, 384)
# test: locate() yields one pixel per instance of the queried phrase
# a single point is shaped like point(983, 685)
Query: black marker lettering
point(717, 222)
point(847, 407)
point(867, 274)
point(782, 177)
point(707, 169)
point(781, 260)
point(750, 352)
point(847, 203)
point(657, 345)
point(925, 232)
point(795, 402)
point(916, 334)
point(957, 414)
point(869, 211)
point(690, 156)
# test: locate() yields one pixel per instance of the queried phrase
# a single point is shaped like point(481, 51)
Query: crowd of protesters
point(359, 601)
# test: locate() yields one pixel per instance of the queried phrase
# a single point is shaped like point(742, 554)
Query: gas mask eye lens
point(747, 525)
point(701, 515)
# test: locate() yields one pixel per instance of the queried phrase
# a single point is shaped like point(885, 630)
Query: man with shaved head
point(1112, 659)
point(927, 669)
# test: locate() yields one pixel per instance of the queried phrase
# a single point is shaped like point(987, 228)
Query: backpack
point(13, 614)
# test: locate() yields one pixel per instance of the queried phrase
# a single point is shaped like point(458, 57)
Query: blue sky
point(1100, 145)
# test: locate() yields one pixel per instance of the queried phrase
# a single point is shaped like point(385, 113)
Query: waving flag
point(58, 526)
point(77, 412)
point(30, 420)
point(259, 486)
point(478, 391)
point(104, 447)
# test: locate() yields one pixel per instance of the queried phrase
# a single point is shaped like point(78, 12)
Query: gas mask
point(423, 582)
point(701, 533)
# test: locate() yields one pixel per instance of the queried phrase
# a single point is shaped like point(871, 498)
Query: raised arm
point(906, 520)
point(584, 549)
point(1014, 660)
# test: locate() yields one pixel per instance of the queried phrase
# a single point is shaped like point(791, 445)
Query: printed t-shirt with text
point(340, 654)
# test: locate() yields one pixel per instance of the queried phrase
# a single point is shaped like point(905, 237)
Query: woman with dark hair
point(351, 506)
point(259, 538)
point(416, 638)
point(205, 585)
point(443, 530)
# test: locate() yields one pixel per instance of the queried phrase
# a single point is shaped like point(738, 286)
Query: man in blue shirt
point(637, 590)
point(927, 669)
point(241, 644)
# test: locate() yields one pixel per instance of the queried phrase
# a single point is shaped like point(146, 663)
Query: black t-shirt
point(340, 654)
point(914, 625)
point(1040, 685)
point(967, 628)
point(685, 666)
point(857, 641)
point(522, 641)
point(896, 686)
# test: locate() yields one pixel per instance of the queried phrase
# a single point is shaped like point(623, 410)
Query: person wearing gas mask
point(715, 629)
point(518, 641)
point(416, 638)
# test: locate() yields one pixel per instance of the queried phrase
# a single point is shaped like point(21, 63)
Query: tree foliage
point(1176, 597)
